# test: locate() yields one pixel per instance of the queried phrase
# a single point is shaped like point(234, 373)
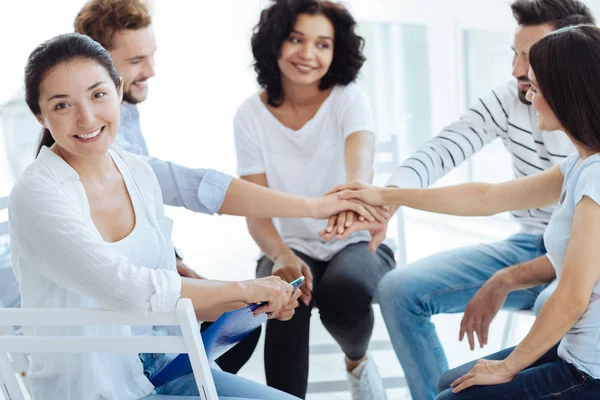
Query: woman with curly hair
point(308, 129)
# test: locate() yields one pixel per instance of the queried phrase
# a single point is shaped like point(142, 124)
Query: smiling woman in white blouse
point(88, 230)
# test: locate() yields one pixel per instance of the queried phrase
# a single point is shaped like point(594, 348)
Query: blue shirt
point(581, 345)
point(199, 190)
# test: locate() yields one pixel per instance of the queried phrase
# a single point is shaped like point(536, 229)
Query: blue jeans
point(229, 386)
point(445, 283)
point(549, 377)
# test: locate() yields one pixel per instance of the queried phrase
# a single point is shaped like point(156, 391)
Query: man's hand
point(367, 194)
point(354, 185)
point(482, 309)
point(342, 221)
point(186, 271)
point(378, 231)
point(289, 267)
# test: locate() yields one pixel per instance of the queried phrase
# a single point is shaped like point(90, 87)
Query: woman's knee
point(342, 297)
point(446, 395)
point(447, 378)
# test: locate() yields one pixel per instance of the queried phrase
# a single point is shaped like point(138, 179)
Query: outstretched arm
point(469, 199)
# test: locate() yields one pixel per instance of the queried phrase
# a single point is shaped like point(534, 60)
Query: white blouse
point(61, 261)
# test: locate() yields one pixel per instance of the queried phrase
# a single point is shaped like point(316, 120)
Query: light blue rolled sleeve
point(199, 190)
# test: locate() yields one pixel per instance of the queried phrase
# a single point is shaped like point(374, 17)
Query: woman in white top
point(88, 230)
point(308, 129)
point(560, 356)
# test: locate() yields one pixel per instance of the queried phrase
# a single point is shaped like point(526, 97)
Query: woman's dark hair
point(274, 27)
point(566, 64)
point(56, 51)
point(560, 13)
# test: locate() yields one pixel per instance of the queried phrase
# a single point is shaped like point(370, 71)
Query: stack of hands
point(348, 207)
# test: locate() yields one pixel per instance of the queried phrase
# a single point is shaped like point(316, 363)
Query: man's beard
point(523, 97)
point(128, 98)
point(523, 93)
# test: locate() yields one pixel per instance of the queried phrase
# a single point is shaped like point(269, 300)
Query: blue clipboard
point(227, 331)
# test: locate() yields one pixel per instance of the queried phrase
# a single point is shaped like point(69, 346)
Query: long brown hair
point(566, 64)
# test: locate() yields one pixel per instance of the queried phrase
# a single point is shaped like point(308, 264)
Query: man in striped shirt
point(484, 278)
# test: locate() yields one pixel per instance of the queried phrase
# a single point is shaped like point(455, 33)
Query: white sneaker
point(365, 382)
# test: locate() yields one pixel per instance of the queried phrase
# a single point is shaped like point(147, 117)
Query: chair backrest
point(390, 160)
point(189, 342)
point(21, 133)
point(3, 221)
point(387, 160)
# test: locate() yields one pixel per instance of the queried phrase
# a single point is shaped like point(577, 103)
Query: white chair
point(510, 326)
point(189, 342)
point(21, 133)
point(387, 160)
point(20, 362)
point(3, 224)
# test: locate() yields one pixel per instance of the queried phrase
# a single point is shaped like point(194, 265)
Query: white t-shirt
point(306, 162)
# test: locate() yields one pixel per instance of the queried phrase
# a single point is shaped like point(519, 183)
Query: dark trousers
point(550, 377)
point(236, 357)
point(343, 290)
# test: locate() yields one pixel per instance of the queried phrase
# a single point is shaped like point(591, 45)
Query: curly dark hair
point(274, 27)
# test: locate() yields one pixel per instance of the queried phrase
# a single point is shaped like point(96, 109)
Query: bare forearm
point(212, 298)
point(359, 167)
point(214, 314)
point(555, 319)
point(526, 275)
point(266, 237)
point(482, 199)
point(359, 151)
point(469, 199)
point(251, 200)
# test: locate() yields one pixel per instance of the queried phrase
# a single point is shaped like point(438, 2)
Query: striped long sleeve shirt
point(499, 114)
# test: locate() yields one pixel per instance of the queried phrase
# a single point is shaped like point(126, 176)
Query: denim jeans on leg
point(229, 386)
point(444, 283)
point(550, 377)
